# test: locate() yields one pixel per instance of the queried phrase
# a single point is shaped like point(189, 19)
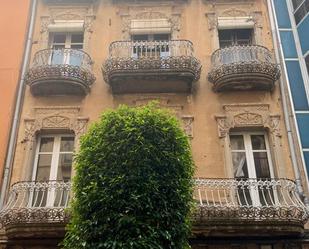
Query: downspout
point(18, 105)
point(278, 53)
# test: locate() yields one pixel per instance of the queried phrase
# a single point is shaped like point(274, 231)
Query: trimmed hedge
point(133, 183)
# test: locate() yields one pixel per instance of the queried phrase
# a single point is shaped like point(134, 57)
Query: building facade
point(292, 25)
point(216, 72)
point(11, 50)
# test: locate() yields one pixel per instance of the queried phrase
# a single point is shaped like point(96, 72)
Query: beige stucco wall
point(196, 25)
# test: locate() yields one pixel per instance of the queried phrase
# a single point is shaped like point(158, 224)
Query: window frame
point(256, 201)
point(234, 40)
point(55, 155)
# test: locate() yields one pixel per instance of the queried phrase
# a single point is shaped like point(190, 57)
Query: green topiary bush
point(133, 183)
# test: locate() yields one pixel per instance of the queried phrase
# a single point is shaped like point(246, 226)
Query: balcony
point(243, 68)
point(36, 209)
point(258, 207)
point(224, 207)
point(60, 72)
point(151, 67)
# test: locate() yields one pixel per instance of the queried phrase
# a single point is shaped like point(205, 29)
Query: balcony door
point(53, 162)
point(251, 162)
point(229, 38)
point(151, 45)
point(65, 48)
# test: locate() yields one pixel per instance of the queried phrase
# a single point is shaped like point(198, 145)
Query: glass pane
point(57, 56)
point(240, 165)
point(47, 144)
point(266, 196)
point(39, 197)
point(258, 142)
point(75, 59)
point(224, 44)
point(243, 34)
point(225, 34)
point(161, 37)
point(64, 167)
point(237, 142)
point(261, 165)
point(62, 197)
point(59, 38)
point(67, 144)
point(77, 38)
point(77, 46)
point(296, 3)
point(43, 169)
point(140, 37)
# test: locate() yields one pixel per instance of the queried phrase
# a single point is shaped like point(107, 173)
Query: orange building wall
point(13, 24)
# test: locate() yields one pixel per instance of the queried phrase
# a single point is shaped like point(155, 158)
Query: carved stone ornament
point(53, 118)
point(187, 122)
point(173, 19)
point(247, 115)
point(212, 20)
point(85, 13)
point(244, 10)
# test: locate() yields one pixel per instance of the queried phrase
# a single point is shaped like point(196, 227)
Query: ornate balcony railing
point(148, 60)
point(219, 201)
point(249, 200)
point(249, 67)
point(60, 71)
point(37, 202)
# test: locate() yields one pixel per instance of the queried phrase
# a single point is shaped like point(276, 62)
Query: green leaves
point(133, 183)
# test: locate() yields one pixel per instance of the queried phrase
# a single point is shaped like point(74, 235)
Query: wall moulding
point(127, 14)
point(65, 13)
point(54, 118)
point(246, 116)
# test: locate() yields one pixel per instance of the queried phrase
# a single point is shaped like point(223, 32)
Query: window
point(301, 8)
point(231, 37)
point(61, 45)
point(251, 161)
point(53, 162)
point(151, 45)
point(53, 159)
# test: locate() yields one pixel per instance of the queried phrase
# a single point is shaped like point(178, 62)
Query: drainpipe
point(18, 105)
point(278, 54)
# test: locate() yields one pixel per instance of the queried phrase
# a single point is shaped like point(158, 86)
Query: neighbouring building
point(13, 27)
point(291, 24)
point(212, 63)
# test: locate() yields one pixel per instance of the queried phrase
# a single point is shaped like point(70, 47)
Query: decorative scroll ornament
point(247, 115)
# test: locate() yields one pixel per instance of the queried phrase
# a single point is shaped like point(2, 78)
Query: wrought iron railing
point(248, 199)
point(151, 49)
point(65, 56)
point(36, 202)
point(158, 57)
point(225, 200)
point(241, 54)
